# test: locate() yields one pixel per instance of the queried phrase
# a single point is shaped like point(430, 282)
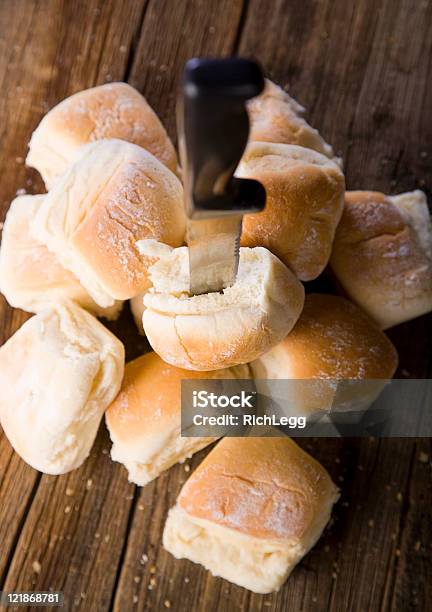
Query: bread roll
point(137, 309)
point(276, 117)
point(31, 277)
point(251, 511)
point(58, 374)
point(115, 110)
point(218, 330)
point(382, 255)
point(333, 341)
point(144, 420)
point(304, 205)
point(116, 194)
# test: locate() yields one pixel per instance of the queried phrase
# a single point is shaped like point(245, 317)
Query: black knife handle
point(213, 133)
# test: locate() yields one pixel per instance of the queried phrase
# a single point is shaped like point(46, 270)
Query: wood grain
point(45, 59)
point(363, 70)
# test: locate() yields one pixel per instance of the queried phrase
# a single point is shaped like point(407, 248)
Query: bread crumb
point(167, 603)
point(314, 598)
point(140, 507)
point(187, 580)
point(153, 581)
point(89, 484)
point(423, 457)
point(123, 49)
point(397, 552)
point(36, 567)
point(153, 569)
point(83, 595)
point(20, 192)
point(97, 535)
point(19, 160)
point(334, 575)
point(371, 523)
point(417, 546)
point(69, 492)
point(135, 599)
point(144, 559)
point(137, 579)
point(67, 509)
point(187, 467)
point(399, 496)
point(106, 539)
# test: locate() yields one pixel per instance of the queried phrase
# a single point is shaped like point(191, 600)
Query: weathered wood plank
point(73, 536)
point(172, 33)
point(50, 50)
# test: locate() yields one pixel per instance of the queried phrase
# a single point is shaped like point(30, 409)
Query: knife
point(213, 129)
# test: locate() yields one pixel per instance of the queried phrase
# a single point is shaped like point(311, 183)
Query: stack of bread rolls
point(111, 228)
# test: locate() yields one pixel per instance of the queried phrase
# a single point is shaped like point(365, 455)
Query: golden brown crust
point(379, 260)
point(334, 339)
point(114, 110)
point(276, 117)
point(263, 487)
point(303, 207)
point(149, 400)
point(115, 195)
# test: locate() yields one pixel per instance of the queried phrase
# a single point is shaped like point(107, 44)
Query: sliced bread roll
point(218, 330)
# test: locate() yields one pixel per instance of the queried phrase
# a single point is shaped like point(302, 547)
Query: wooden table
point(363, 69)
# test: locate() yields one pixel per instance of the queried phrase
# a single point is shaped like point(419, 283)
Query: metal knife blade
point(214, 250)
point(213, 130)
